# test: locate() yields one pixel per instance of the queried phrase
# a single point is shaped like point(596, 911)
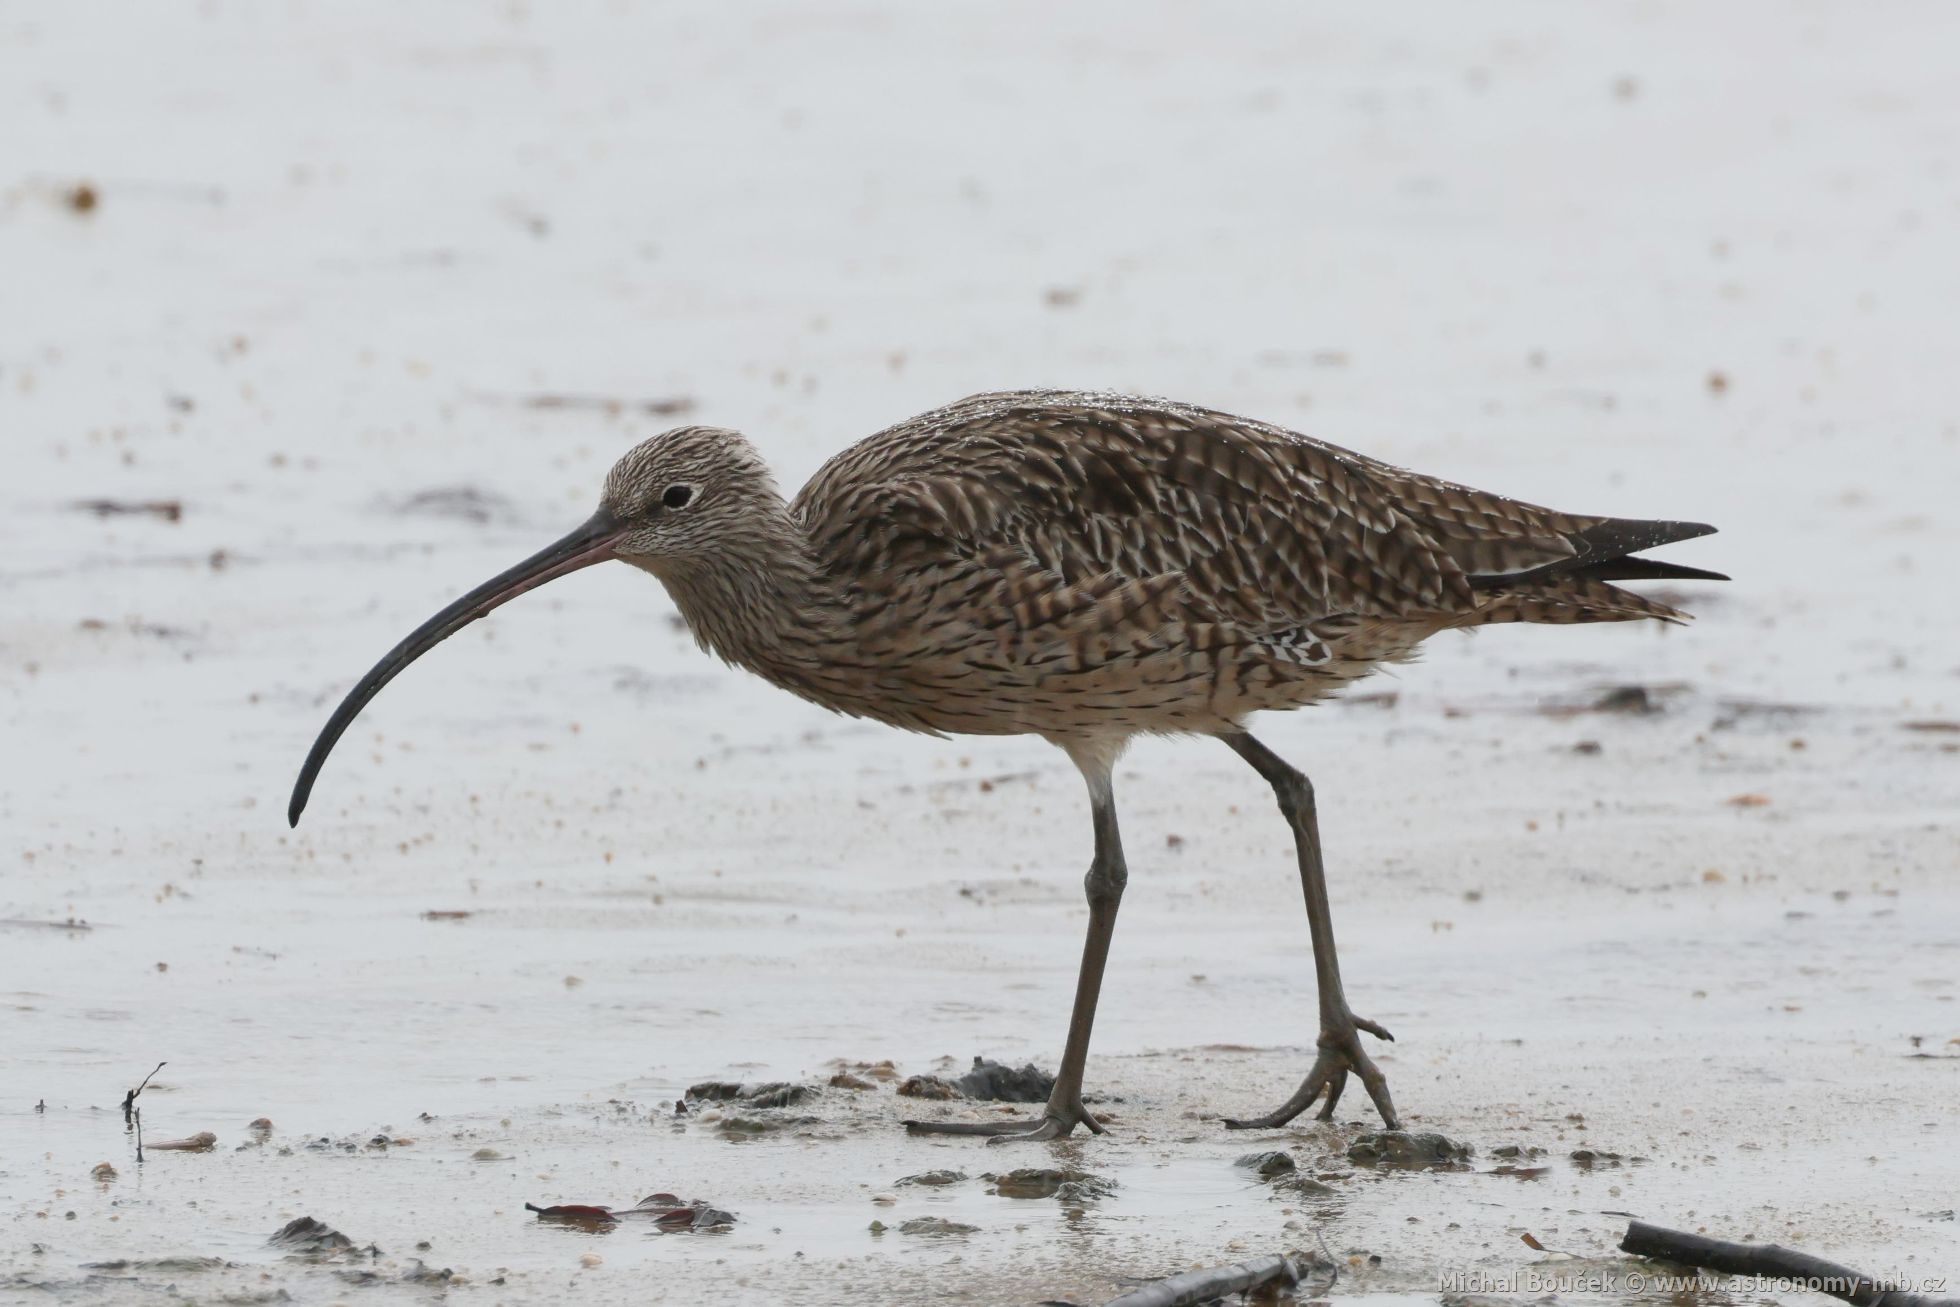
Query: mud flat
point(1663, 920)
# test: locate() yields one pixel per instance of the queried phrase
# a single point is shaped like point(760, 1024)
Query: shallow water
point(671, 873)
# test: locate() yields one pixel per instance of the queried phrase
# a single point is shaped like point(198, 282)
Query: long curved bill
point(591, 543)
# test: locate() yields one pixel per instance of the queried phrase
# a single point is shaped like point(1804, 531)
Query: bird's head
point(684, 495)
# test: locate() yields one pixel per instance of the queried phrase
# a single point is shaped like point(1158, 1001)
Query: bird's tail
point(1578, 588)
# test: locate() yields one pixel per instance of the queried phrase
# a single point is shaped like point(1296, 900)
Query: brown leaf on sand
point(202, 1142)
point(670, 1213)
point(664, 1210)
point(573, 1214)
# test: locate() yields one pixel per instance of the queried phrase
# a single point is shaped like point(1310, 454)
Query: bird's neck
point(760, 601)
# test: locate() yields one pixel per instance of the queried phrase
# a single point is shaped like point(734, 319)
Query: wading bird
point(1084, 567)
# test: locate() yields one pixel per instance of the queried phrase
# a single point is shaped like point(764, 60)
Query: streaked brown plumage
point(1085, 567)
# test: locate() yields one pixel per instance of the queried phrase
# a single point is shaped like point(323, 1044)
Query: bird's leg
point(1104, 885)
point(1340, 1048)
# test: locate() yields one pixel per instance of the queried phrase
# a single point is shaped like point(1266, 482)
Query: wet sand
point(570, 867)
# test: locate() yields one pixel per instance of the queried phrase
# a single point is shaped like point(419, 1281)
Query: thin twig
point(1771, 1261)
point(129, 1099)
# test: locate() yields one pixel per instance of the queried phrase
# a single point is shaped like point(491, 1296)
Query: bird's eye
point(677, 496)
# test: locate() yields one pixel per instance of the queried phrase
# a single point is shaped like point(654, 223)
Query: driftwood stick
point(1214, 1282)
point(1771, 1261)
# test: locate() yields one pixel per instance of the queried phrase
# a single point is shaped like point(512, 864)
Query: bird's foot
point(1340, 1053)
point(1056, 1122)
